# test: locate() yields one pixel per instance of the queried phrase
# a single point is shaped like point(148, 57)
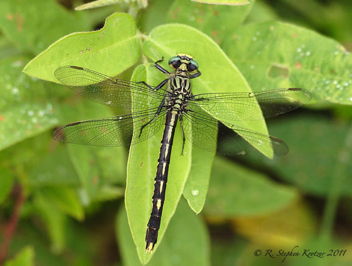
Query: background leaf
point(54, 218)
point(236, 191)
point(304, 59)
point(209, 18)
point(21, 23)
point(24, 111)
point(99, 48)
point(322, 137)
point(223, 2)
point(101, 3)
point(66, 199)
point(24, 258)
point(6, 183)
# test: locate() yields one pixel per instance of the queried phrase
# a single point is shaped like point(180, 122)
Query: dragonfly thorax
point(180, 93)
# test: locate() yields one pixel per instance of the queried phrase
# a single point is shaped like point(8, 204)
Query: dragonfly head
point(183, 63)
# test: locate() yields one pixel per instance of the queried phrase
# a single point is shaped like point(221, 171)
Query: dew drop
point(14, 90)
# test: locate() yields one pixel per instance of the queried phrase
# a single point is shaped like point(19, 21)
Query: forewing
point(244, 105)
point(112, 131)
point(106, 90)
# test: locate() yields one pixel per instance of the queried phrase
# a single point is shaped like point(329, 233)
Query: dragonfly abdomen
point(161, 179)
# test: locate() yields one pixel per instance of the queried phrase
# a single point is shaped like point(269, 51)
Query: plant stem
point(340, 172)
point(12, 223)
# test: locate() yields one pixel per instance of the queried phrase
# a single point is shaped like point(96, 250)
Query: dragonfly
point(164, 105)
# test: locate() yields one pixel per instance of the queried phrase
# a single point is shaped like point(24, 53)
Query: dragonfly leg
point(155, 116)
point(195, 75)
point(156, 64)
point(142, 82)
point(161, 84)
point(183, 134)
point(157, 87)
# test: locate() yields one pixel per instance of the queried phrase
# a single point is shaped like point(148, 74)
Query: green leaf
point(198, 181)
point(114, 45)
point(108, 192)
point(34, 25)
point(215, 21)
point(219, 74)
point(321, 15)
point(229, 251)
point(277, 55)
point(25, 110)
point(19, 159)
point(223, 2)
point(101, 3)
point(94, 166)
point(186, 241)
point(237, 191)
point(112, 163)
point(66, 199)
point(154, 15)
point(261, 12)
point(7, 49)
point(54, 218)
point(85, 162)
point(24, 258)
point(6, 183)
point(318, 152)
point(55, 169)
point(141, 171)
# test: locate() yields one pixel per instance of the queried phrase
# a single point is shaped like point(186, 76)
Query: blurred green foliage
point(68, 199)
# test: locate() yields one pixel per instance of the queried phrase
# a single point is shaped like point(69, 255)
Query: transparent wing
point(212, 135)
point(109, 91)
point(244, 105)
point(112, 131)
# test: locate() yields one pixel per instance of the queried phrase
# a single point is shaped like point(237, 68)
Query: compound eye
point(174, 62)
point(193, 65)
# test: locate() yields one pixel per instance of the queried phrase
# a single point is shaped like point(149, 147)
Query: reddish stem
point(12, 223)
